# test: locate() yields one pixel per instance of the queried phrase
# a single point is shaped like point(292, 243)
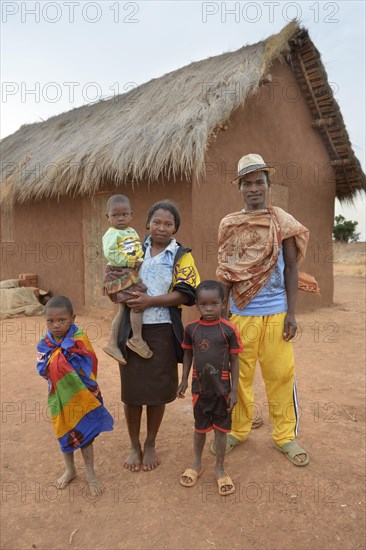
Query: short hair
point(211, 285)
point(117, 198)
point(59, 302)
point(169, 207)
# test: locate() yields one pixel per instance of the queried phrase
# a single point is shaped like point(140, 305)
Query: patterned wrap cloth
point(120, 283)
point(249, 246)
point(74, 398)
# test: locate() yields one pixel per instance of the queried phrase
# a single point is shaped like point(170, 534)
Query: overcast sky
point(58, 55)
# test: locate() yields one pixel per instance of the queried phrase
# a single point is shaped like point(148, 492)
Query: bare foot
point(133, 461)
point(95, 487)
point(150, 459)
point(65, 479)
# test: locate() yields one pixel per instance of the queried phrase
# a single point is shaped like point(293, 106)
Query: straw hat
point(252, 163)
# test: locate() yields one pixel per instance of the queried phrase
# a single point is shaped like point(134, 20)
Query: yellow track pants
point(263, 340)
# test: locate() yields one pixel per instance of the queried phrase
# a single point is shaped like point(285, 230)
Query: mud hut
point(179, 137)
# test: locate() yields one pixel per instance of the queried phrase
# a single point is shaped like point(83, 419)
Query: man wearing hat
point(259, 248)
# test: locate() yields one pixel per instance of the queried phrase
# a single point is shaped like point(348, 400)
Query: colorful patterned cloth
point(74, 400)
point(249, 247)
point(120, 283)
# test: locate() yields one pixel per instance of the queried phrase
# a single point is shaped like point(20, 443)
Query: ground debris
point(72, 535)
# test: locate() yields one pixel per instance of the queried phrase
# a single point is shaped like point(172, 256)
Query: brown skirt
point(151, 381)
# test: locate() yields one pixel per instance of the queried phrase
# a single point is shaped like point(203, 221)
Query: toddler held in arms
point(122, 248)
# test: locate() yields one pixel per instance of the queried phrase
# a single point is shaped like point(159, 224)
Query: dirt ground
point(276, 506)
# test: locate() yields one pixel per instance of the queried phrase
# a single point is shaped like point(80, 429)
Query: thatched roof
point(163, 128)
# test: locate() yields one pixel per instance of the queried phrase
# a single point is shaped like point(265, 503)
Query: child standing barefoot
point(213, 343)
point(122, 248)
point(67, 360)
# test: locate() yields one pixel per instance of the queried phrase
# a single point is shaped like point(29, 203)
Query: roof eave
point(304, 59)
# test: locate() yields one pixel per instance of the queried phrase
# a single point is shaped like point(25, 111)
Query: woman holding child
point(170, 275)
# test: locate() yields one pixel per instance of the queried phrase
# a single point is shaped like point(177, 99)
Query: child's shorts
point(121, 282)
point(211, 412)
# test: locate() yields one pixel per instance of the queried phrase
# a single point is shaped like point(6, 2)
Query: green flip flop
point(257, 422)
point(231, 442)
point(292, 450)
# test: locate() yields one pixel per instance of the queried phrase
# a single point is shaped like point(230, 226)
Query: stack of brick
point(29, 280)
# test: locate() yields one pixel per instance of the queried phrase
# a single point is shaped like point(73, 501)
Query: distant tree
point(344, 230)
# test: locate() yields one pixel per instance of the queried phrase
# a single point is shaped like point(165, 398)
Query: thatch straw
point(161, 129)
